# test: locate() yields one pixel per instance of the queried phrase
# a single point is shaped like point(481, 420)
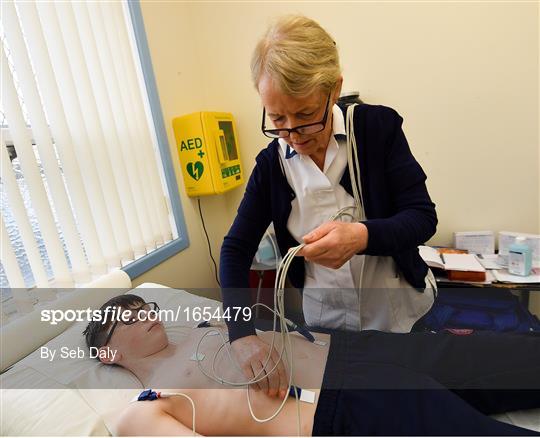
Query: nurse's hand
point(332, 244)
point(251, 353)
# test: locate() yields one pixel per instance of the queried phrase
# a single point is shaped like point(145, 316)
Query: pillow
point(48, 412)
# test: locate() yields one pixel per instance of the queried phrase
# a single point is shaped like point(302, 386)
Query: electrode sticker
point(321, 343)
point(196, 358)
point(307, 396)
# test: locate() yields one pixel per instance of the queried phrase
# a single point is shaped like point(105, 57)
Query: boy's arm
point(150, 418)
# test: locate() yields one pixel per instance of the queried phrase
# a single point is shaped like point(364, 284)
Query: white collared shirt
point(318, 196)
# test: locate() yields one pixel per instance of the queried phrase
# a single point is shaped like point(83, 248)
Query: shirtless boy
point(373, 383)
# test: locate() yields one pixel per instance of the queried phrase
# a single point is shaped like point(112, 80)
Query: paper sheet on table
point(489, 261)
point(462, 262)
point(504, 277)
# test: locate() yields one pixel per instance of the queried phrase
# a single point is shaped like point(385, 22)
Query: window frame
point(147, 262)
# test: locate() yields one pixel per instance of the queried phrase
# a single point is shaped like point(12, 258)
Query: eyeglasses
point(311, 128)
point(131, 316)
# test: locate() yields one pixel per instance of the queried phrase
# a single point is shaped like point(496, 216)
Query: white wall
point(463, 75)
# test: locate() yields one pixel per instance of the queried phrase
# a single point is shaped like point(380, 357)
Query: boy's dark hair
point(96, 332)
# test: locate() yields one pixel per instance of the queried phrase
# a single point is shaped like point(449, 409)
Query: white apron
point(385, 300)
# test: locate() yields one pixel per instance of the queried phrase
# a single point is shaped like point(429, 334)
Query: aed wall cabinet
point(208, 152)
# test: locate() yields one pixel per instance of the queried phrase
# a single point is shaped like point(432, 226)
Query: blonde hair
point(298, 54)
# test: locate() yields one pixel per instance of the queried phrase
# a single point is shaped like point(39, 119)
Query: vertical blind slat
point(64, 144)
point(142, 122)
point(32, 176)
point(18, 209)
point(84, 149)
point(96, 71)
point(42, 137)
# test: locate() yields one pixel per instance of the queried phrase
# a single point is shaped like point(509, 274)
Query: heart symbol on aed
point(195, 170)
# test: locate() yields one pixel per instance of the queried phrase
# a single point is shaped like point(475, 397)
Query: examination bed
point(64, 408)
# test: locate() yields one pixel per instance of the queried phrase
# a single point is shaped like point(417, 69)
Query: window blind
point(87, 153)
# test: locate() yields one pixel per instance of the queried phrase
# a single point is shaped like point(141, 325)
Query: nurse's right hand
point(251, 353)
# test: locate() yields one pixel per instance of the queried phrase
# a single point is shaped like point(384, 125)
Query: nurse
point(357, 274)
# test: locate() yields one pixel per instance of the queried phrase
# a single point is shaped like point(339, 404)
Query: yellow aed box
point(208, 152)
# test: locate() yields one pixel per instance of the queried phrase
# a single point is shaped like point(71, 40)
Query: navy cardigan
point(400, 214)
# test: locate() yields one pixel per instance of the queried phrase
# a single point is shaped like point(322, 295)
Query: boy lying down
point(373, 383)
